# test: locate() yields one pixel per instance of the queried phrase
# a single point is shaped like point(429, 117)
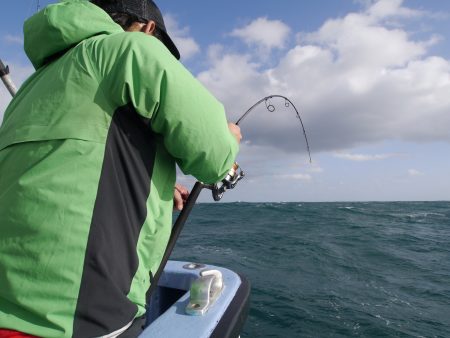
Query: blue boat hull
point(167, 316)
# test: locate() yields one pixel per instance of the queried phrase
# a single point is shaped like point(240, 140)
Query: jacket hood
point(58, 27)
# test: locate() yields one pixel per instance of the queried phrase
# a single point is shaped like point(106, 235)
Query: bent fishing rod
point(229, 182)
point(218, 190)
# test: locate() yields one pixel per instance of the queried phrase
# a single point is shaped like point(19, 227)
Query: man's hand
point(236, 131)
point(180, 196)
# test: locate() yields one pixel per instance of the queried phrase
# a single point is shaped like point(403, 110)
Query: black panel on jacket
point(120, 210)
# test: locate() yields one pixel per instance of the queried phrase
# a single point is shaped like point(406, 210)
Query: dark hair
point(125, 20)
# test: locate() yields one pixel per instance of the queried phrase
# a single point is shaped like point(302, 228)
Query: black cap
point(145, 10)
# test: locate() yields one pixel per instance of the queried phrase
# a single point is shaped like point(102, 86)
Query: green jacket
point(88, 149)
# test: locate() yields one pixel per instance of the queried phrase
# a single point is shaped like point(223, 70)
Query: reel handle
point(229, 182)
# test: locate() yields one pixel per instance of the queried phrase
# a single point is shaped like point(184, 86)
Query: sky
point(371, 80)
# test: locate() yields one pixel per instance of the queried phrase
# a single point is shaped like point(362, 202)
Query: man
point(87, 167)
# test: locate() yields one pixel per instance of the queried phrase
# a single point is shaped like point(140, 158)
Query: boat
point(197, 300)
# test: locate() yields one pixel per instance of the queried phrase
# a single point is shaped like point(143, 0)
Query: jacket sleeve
point(191, 121)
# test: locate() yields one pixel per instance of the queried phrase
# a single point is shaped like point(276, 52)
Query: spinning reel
point(229, 182)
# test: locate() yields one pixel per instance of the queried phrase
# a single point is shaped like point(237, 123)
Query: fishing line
point(271, 108)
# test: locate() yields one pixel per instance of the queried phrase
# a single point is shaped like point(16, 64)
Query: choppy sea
point(332, 269)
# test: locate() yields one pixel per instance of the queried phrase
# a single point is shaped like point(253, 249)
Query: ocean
point(376, 269)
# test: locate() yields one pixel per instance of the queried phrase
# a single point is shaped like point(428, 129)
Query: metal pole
point(4, 74)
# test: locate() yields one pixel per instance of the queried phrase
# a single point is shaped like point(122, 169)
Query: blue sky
point(371, 79)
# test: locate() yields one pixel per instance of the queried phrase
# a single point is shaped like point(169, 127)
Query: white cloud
point(187, 46)
point(358, 45)
point(264, 32)
point(275, 177)
point(299, 177)
point(414, 172)
point(364, 157)
point(315, 169)
point(383, 9)
point(13, 39)
point(232, 77)
point(356, 80)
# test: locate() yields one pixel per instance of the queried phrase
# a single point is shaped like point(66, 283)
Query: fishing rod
point(271, 108)
point(9, 84)
point(218, 189)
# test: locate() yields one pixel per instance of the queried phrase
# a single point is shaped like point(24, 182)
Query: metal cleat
point(204, 292)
